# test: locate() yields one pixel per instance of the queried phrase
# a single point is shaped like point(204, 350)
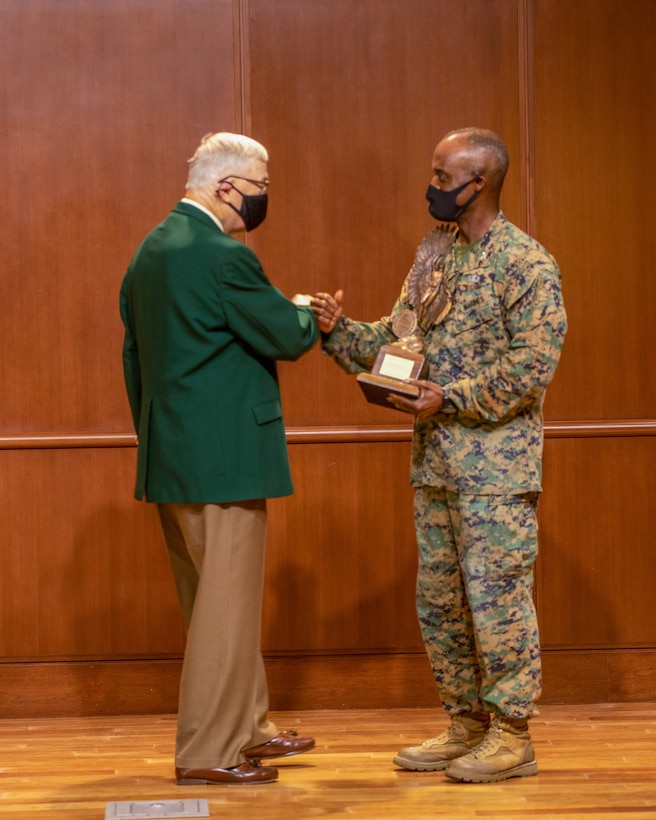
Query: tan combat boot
point(466, 731)
point(506, 752)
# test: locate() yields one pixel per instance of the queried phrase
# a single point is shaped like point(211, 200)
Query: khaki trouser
point(217, 556)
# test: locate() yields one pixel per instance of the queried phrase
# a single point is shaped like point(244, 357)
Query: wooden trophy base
point(393, 367)
point(376, 389)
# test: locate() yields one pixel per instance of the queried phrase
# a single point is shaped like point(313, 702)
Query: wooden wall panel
point(591, 109)
point(593, 67)
point(596, 575)
point(101, 103)
point(86, 572)
point(83, 569)
point(351, 99)
point(612, 676)
point(69, 689)
point(342, 557)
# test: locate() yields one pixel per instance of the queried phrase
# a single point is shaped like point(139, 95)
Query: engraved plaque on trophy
point(396, 363)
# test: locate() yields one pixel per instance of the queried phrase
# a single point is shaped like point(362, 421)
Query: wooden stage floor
point(596, 761)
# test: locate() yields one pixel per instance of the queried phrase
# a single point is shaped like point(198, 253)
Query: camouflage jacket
point(495, 352)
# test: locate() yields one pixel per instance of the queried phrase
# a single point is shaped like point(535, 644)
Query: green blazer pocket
point(268, 411)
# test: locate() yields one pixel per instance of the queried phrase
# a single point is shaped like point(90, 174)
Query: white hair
point(221, 155)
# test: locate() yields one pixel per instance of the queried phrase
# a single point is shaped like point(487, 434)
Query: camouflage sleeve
point(354, 345)
point(535, 323)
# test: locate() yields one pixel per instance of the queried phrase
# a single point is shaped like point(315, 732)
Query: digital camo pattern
point(474, 599)
point(496, 350)
point(477, 472)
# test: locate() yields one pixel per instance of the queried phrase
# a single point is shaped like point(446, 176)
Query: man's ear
point(224, 188)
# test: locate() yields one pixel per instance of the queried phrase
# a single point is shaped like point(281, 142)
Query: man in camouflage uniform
point(488, 307)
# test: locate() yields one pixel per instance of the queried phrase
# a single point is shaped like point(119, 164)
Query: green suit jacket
point(203, 330)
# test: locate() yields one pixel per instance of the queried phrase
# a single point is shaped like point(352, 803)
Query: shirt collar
point(204, 210)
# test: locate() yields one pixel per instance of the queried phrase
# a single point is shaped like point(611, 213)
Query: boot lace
point(442, 738)
point(490, 742)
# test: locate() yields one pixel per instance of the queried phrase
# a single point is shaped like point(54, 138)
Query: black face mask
point(442, 204)
point(253, 209)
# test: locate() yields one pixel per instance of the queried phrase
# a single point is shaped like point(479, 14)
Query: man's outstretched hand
point(327, 309)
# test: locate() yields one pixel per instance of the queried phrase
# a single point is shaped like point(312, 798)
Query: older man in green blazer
point(203, 330)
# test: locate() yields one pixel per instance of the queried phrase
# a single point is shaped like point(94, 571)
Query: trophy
point(425, 289)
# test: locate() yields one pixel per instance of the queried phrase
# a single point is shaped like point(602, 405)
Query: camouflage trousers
point(474, 599)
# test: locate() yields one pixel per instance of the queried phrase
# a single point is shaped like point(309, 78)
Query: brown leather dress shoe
point(284, 744)
point(246, 773)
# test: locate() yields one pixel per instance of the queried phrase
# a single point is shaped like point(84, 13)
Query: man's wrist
point(447, 405)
